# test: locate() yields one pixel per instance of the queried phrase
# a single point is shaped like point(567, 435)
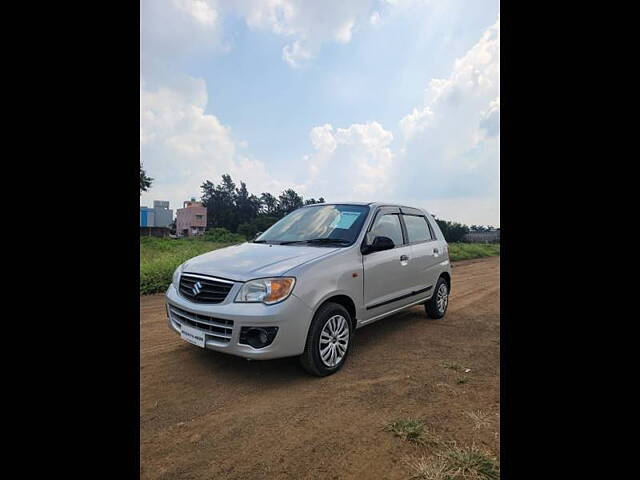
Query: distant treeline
point(454, 231)
point(235, 209)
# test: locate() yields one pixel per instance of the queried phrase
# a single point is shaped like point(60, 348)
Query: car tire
point(328, 341)
point(436, 306)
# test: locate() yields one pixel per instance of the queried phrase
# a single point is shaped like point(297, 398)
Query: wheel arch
point(346, 301)
point(447, 278)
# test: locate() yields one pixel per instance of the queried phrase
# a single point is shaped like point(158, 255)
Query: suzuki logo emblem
point(196, 288)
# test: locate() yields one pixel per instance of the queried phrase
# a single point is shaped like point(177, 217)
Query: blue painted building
point(147, 217)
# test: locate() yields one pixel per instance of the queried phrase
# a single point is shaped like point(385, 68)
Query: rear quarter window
point(417, 228)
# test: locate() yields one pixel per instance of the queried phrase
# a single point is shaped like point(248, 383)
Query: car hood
point(253, 260)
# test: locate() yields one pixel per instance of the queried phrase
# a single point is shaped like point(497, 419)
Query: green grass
point(470, 463)
point(409, 429)
point(446, 459)
point(457, 463)
point(413, 430)
point(467, 251)
point(453, 366)
point(159, 257)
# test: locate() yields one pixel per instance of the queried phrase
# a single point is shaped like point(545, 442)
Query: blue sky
point(363, 100)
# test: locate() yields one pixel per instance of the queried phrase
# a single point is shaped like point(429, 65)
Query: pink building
point(192, 219)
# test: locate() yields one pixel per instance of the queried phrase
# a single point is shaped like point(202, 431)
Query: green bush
point(258, 224)
point(467, 251)
point(159, 257)
point(222, 235)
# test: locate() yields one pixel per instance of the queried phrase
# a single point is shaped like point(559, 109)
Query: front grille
point(200, 289)
point(217, 328)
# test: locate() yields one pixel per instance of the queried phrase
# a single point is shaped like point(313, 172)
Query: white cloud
point(474, 82)
point(307, 24)
point(295, 54)
point(451, 142)
point(351, 162)
point(490, 119)
point(448, 155)
point(170, 30)
point(181, 146)
point(201, 11)
point(343, 35)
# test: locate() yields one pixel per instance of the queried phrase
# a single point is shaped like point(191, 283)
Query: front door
point(387, 275)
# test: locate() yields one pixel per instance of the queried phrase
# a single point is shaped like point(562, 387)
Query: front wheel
point(328, 340)
point(437, 305)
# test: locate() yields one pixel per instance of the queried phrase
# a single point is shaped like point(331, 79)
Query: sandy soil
point(206, 415)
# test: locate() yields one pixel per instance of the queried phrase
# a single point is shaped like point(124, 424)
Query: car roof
point(371, 204)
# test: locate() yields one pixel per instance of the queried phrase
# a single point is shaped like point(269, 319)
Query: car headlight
point(176, 276)
point(266, 290)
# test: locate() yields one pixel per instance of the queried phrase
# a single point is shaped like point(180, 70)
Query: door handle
point(436, 251)
point(404, 258)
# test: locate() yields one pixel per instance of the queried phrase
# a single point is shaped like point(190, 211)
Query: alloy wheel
point(334, 341)
point(442, 298)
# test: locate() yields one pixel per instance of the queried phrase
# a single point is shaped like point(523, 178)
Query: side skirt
point(383, 315)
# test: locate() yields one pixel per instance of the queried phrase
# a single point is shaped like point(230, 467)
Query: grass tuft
point(470, 463)
point(413, 430)
point(480, 419)
point(429, 469)
point(409, 429)
point(455, 463)
point(453, 366)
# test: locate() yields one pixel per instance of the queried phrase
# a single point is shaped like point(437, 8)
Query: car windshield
point(318, 225)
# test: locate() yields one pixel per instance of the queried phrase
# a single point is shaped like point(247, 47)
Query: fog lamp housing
point(258, 337)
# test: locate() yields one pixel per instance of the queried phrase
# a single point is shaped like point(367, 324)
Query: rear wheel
point(328, 340)
point(436, 306)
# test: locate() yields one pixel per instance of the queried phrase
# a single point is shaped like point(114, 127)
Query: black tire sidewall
point(315, 331)
point(432, 306)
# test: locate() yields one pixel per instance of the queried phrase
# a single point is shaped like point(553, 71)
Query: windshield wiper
point(318, 241)
point(328, 240)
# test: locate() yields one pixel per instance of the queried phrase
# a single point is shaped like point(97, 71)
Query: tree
point(247, 205)
point(452, 231)
point(313, 201)
point(220, 203)
point(239, 211)
point(145, 182)
point(269, 204)
point(288, 201)
point(258, 224)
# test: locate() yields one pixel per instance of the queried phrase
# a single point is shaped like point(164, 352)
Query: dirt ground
point(206, 415)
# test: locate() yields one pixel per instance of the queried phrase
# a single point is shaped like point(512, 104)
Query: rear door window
point(388, 225)
point(417, 228)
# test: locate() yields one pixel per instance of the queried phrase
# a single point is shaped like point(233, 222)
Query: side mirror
point(379, 244)
point(257, 235)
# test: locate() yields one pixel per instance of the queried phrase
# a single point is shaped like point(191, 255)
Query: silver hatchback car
point(304, 286)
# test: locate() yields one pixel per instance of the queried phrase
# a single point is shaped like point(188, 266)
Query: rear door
point(425, 253)
point(387, 278)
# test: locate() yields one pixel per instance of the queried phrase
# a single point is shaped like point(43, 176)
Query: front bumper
point(292, 317)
